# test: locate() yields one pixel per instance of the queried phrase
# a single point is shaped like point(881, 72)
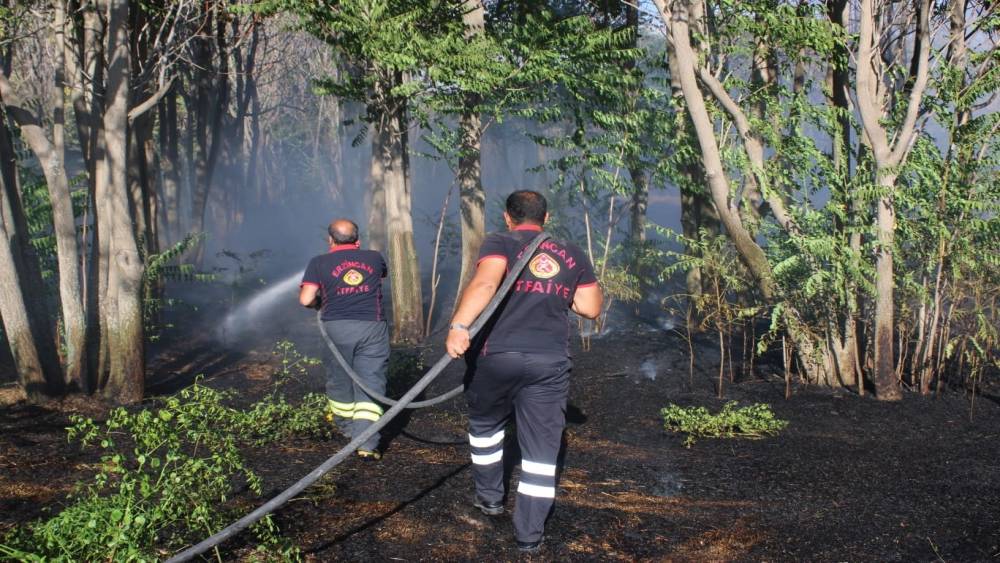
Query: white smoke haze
point(648, 369)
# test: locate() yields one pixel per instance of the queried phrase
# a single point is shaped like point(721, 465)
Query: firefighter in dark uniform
point(347, 283)
point(520, 361)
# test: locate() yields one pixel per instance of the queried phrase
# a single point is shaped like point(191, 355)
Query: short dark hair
point(526, 206)
point(342, 237)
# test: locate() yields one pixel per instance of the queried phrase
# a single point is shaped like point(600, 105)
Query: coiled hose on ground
point(397, 407)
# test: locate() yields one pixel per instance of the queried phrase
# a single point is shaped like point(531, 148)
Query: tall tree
point(874, 106)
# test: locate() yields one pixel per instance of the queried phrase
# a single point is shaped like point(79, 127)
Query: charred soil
point(849, 479)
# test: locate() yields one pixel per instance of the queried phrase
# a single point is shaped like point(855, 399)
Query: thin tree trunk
point(376, 189)
point(170, 187)
point(212, 99)
point(472, 196)
point(640, 201)
point(435, 276)
point(637, 172)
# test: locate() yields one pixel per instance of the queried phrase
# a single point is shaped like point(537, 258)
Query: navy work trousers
point(535, 387)
point(365, 347)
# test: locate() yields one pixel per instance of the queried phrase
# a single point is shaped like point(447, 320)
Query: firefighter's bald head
point(343, 231)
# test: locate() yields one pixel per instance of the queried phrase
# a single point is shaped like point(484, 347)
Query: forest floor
point(849, 479)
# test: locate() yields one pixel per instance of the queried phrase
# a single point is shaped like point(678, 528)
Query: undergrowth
point(752, 421)
point(165, 476)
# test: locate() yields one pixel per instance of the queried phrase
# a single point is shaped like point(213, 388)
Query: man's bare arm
point(588, 300)
point(475, 298)
point(308, 294)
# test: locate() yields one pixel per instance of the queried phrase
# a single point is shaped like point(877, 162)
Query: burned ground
point(850, 479)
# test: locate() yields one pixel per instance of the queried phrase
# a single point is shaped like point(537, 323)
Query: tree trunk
point(839, 82)
point(472, 195)
point(886, 384)
point(888, 157)
point(26, 259)
point(170, 187)
point(125, 331)
point(696, 207)
point(211, 99)
point(404, 268)
point(16, 323)
point(636, 169)
point(376, 189)
point(640, 201)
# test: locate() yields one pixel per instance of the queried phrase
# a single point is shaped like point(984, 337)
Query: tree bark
point(170, 188)
point(637, 172)
point(696, 207)
point(472, 196)
point(839, 83)
point(376, 188)
point(21, 328)
point(125, 330)
point(404, 268)
point(16, 323)
point(26, 259)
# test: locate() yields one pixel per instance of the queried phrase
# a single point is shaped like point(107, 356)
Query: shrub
point(166, 473)
point(753, 421)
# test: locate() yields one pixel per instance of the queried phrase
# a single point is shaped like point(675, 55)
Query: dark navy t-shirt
point(534, 317)
point(350, 283)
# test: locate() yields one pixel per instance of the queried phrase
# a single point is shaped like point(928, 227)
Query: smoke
point(648, 369)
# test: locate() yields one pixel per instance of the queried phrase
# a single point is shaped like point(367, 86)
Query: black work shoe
point(370, 455)
point(494, 508)
point(530, 546)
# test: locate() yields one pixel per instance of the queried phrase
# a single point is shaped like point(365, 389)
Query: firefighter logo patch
point(353, 277)
point(543, 266)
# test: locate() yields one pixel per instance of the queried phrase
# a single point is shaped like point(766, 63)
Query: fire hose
point(397, 407)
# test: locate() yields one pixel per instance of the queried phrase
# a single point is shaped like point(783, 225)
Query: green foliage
point(160, 268)
point(294, 364)
point(753, 421)
point(165, 476)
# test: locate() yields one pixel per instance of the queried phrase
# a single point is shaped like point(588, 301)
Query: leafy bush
point(165, 475)
point(753, 421)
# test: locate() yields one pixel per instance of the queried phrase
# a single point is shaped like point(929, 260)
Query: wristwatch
point(459, 326)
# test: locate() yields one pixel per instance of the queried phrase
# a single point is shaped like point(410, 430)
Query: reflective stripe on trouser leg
point(487, 450)
point(365, 347)
point(489, 409)
point(339, 389)
point(540, 408)
point(371, 362)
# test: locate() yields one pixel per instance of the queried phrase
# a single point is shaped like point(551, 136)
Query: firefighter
point(520, 361)
point(346, 283)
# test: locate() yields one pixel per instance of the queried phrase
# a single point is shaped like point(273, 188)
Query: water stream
point(249, 313)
